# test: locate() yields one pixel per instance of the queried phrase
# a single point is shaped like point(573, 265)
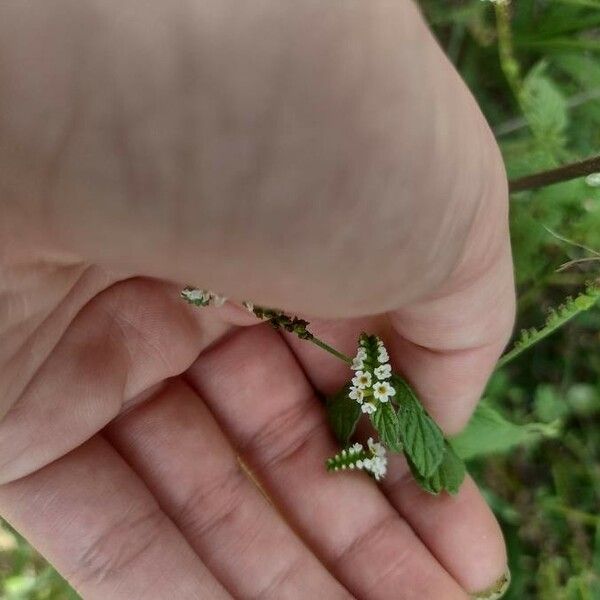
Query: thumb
point(290, 141)
point(448, 343)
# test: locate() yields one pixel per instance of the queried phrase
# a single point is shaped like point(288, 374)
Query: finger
point(174, 444)
point(122, 343)
point(157, 160)
point(447, 344)
point(460, 531)
point(91, 516)
point(254, 387)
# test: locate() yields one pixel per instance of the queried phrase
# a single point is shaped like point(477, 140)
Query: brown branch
point(558, 175)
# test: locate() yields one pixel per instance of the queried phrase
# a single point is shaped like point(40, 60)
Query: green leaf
point(488, 432)
point(549, 403)
point(582, 68)
point(386, 422)
point(544, 106)
point(448, 476)
point(343, 414)
point(421, 437)
point(451, 472)
point(596, 560)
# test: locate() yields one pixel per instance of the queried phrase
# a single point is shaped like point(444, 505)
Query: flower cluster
point(276, 318)
point(370, 384)
point(199, 297)
point(371, 459)
point(280, 320)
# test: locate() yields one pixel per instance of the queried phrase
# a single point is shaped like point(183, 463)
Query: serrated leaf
point(386, 423)
point(452, 471)
point(488, 432)
point(343, 414)
point(544, 107)
point(422, 439)
point(448, 476)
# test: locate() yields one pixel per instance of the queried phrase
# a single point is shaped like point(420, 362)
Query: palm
point(123, 443)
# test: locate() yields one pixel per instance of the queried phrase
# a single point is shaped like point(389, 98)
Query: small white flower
point(378, 467)
point(249, 306)
point(383, 356)
point(359, 464)
point(382, 391)
point(368, 408)
point(357, 364)
point(375, 448)
point(357, 394)
point(383, 372)
point(379, 343)
point(355, 448)
point(362, 379)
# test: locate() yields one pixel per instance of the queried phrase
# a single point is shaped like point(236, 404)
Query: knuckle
point(275, 588)
point(285, 435)
point(209, 507)
point(117, 548)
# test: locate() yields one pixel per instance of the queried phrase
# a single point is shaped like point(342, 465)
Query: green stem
point(575, 514)
point(297, 326)
point(545, 332)
point(317, 342)
point(571, 309)
point(558, 175)
point(508, 62)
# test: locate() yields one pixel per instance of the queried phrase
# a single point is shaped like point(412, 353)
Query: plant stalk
point(558, 175)
point(321, 344)
point(508, 61)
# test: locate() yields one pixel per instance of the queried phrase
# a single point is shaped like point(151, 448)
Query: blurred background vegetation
point(534, 68)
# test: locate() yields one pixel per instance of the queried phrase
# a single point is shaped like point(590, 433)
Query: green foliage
point(545, 109)
point(556, 318)
point(24, 575)
point(545, 490)
point(422, 439)
point(488, 432)
point(386, 422)
point(448, 476)
point(400, 419)
point(343, 414)
point(548, 404)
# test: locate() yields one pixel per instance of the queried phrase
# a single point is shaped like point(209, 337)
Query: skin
point(321, 158)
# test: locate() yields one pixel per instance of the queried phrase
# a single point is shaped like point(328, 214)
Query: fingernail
point(497, 590)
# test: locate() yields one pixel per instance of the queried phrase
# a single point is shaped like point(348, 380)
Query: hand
point(319, 158)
